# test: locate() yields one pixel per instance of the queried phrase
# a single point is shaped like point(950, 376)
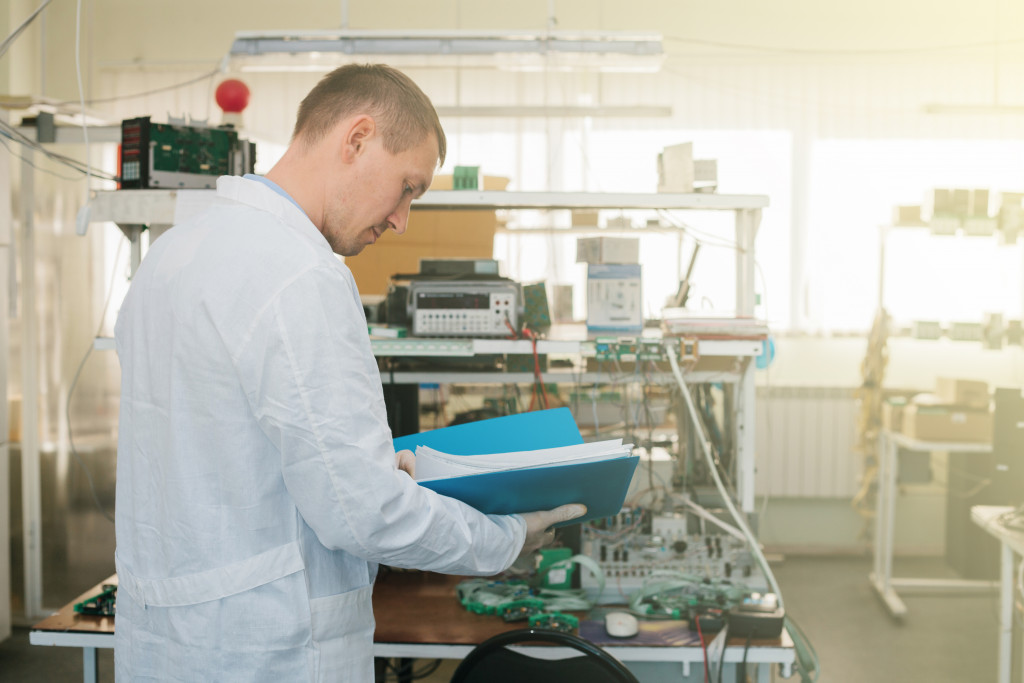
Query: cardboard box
point(585, 218)
point(675, 168)
point(927, 329)
point(979, 203)
point(947, 423)
point(907, 215)
point(1011, 215)
point(962, 392)
point(430, 234)
point(374, 267)
point(608, 250)
point(965, 331)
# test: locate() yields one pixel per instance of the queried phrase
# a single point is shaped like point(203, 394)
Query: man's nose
point(399, 220)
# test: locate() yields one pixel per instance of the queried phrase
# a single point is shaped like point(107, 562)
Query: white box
point(608, 250)
point(614, 299)
point(675, 168)
point(705, 175)
point(657, 464)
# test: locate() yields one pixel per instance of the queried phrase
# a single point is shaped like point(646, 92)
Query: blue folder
point(522, 432)
point(600, 485)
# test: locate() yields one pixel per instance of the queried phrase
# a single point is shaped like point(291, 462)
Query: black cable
point(408, 670)
point(427, 670)
point(741, 673)
point(16, 136)
point(33, 164)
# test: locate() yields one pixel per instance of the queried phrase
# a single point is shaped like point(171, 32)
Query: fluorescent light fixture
point(552, 50)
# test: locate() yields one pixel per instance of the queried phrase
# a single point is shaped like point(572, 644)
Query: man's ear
point(356, 133)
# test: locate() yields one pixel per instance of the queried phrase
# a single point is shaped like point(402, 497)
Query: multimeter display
point(463, 309)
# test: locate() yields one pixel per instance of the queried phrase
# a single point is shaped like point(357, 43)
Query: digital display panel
point(449, 300)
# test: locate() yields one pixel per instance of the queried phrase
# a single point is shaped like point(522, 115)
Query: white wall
point(834, 69)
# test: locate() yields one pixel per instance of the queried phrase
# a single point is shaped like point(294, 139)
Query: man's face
point(378, 198)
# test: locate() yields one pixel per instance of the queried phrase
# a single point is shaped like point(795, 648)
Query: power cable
point(9, 40)
point(146, 93)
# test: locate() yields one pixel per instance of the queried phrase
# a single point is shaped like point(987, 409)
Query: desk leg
point(880, 496)
point(1005, 613)
point(885, 525)
point(90, 665)
point(891, 468)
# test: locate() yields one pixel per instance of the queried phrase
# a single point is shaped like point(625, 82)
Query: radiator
point(804, 442)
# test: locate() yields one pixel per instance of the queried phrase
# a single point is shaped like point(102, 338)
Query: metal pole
point(1005, 612)
point(31, 493)
point(747, 221)
point(5, 482)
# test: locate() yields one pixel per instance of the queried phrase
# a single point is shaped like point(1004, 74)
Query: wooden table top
point(421, 607)
point(410, 607)
point(68, 620)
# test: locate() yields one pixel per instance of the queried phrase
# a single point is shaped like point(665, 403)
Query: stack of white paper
point(432, 464)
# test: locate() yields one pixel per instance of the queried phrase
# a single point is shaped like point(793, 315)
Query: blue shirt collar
point(273, 186)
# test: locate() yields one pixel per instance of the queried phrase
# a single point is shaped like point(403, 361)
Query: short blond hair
point(402, 111)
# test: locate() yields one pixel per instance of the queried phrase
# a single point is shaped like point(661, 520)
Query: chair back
point(492, 662)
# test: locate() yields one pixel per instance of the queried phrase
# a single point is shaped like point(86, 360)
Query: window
point(856, 184)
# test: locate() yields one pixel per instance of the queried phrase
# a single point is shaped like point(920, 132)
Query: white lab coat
point(256, 484)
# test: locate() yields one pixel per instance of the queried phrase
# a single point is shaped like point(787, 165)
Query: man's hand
point(538, 525)
point(406, 461)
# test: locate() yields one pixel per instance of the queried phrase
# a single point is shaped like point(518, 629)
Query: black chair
point(492, 662)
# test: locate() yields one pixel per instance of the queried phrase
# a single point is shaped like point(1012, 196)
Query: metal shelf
point(550, 377)
point(460, 348)
point(131, 209)
point(158, 206)
point(492, 199)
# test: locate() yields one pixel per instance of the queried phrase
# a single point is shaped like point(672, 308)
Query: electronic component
point(555, 570)
point(614, 297)
point(555, 621)
point(688, 350)
point(458, 266)
point(757, 616)
point(174, 156)
point(628, 349)
point(102, 604)
point(464, 308)
point(712, 619)
point(651, 349)
point(521, 610)
point(536, 314)
point(628, 557)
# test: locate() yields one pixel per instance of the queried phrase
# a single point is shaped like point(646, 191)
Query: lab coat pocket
point(343, 635)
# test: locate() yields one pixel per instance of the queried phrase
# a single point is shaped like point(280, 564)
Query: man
point(257, 486)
